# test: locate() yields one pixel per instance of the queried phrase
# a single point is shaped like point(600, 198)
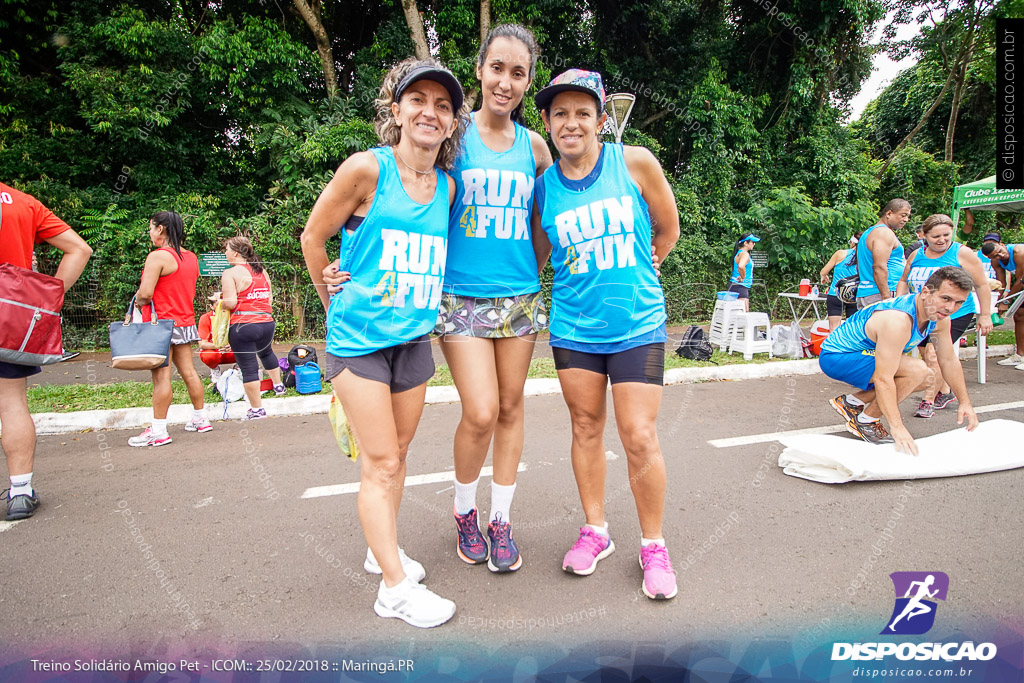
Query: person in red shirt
point(25, 222)
point(209, 353)
point(169, 283)
point(246, 293)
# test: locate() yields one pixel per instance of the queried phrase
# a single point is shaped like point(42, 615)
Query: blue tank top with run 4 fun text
point(605, 288)
point(852, 336)
point(922, 267)
point(490, 248)
point(397, 261)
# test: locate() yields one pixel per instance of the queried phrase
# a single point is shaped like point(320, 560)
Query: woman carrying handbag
point(169, 284)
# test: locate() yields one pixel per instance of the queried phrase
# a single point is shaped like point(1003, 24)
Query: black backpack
point(299, 355)
point(695, 344)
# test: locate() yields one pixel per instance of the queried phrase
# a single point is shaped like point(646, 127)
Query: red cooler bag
point(30, 306)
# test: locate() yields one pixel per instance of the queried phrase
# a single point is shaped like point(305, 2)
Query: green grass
point(65, 398)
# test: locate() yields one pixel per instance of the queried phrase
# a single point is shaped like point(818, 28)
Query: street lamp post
point(619, 106)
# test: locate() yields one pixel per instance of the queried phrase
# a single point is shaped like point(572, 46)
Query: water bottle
point(814, 290)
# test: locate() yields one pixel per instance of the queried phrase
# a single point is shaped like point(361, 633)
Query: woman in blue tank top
point(492, 308)
point(941, 250)
point(393, 202)
point(743, 268)
point(844, 262)
point(610, 216)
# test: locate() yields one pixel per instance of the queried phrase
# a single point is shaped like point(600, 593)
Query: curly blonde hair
point(390, 132)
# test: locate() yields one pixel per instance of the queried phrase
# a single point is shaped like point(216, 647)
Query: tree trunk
point(961, 78)
point(920, 124)
point(485, 19)
point(415, 22)
point(310, 11)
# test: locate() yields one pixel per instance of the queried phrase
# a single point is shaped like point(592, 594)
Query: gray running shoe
point(872, 432)
point(943, 400)
point(926, 409)
point(846, 410)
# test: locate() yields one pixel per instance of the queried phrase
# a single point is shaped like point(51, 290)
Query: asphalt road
point(239, 561)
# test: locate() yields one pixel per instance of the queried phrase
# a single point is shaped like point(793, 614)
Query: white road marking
point(773, 436)
point(610, 455)
point(834, 429)
point(412, 480)
point(4, 526)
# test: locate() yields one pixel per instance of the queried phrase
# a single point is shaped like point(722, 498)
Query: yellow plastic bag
point(219, 326)
point(342, 430)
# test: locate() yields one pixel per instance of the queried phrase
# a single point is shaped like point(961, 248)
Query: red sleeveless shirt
point(254, 301)
point(175, 293)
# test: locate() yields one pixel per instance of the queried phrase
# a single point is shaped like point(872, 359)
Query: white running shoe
point(414, 604)
point(1020, 367)
point(413, 569)
point(200, 426)
point(149, 438)
point(1015, 359)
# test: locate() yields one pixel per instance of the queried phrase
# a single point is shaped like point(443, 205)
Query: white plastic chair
point(743, 336)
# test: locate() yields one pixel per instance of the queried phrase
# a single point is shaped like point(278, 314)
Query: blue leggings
point(249, 342)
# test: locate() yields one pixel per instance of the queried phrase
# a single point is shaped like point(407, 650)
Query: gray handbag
point(140, 346)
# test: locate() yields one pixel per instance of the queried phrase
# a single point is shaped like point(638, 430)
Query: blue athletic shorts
point(853, 368)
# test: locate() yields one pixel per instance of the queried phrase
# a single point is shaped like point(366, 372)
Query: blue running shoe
point(504, 553)
point(471, 546)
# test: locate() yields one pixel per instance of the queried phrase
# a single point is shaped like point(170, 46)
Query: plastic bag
point(231, 388)
point(219, 326)
point(787, 341)
point(342, 430)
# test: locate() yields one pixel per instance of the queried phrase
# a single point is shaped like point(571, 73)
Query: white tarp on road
point(995, 445)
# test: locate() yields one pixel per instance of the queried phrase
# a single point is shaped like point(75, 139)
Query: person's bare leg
point(471, 361)
point(181, 354)
point(636, 415)
point(162, 392)
point(585, 396)
point(19, 432)
point(912, 375)
point(368, 406)
point(512, 361)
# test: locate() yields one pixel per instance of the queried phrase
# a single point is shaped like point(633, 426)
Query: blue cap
point(751, 238)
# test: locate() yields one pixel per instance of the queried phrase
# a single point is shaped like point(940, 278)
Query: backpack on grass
point(695, 344)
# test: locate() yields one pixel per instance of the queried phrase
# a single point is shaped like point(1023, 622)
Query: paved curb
point(133, 418)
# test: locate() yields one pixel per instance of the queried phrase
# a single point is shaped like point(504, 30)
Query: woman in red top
point(169, 284)
point(245, 291)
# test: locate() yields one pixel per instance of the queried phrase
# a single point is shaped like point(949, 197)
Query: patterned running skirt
point(504, 316)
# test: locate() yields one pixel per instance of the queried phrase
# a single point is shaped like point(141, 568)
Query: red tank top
point(175, 293)
point(254, 301)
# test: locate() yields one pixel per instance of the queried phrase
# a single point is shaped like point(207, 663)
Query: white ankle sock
point(465, 496)
point(198, 415)
point(501, 501)
point(603, 530)
point(21, 485)
point(866, 419)
point(647, 541)
point(160, 426)
point(853, 400)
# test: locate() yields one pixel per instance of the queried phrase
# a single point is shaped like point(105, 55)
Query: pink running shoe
point(659, 577)
point(149, 438)
point(589, 548)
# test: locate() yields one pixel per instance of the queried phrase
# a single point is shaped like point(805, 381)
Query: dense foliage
point(112, 111)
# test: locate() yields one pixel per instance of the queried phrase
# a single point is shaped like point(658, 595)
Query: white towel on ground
point(995, 445)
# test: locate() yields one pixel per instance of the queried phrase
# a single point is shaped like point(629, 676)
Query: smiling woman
point(393, 203)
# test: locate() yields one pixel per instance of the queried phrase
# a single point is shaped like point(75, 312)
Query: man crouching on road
point(868, 350)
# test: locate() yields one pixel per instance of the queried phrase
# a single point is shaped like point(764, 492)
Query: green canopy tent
point(982, 195)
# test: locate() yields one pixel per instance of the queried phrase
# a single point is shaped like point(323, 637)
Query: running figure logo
point(914, 612)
